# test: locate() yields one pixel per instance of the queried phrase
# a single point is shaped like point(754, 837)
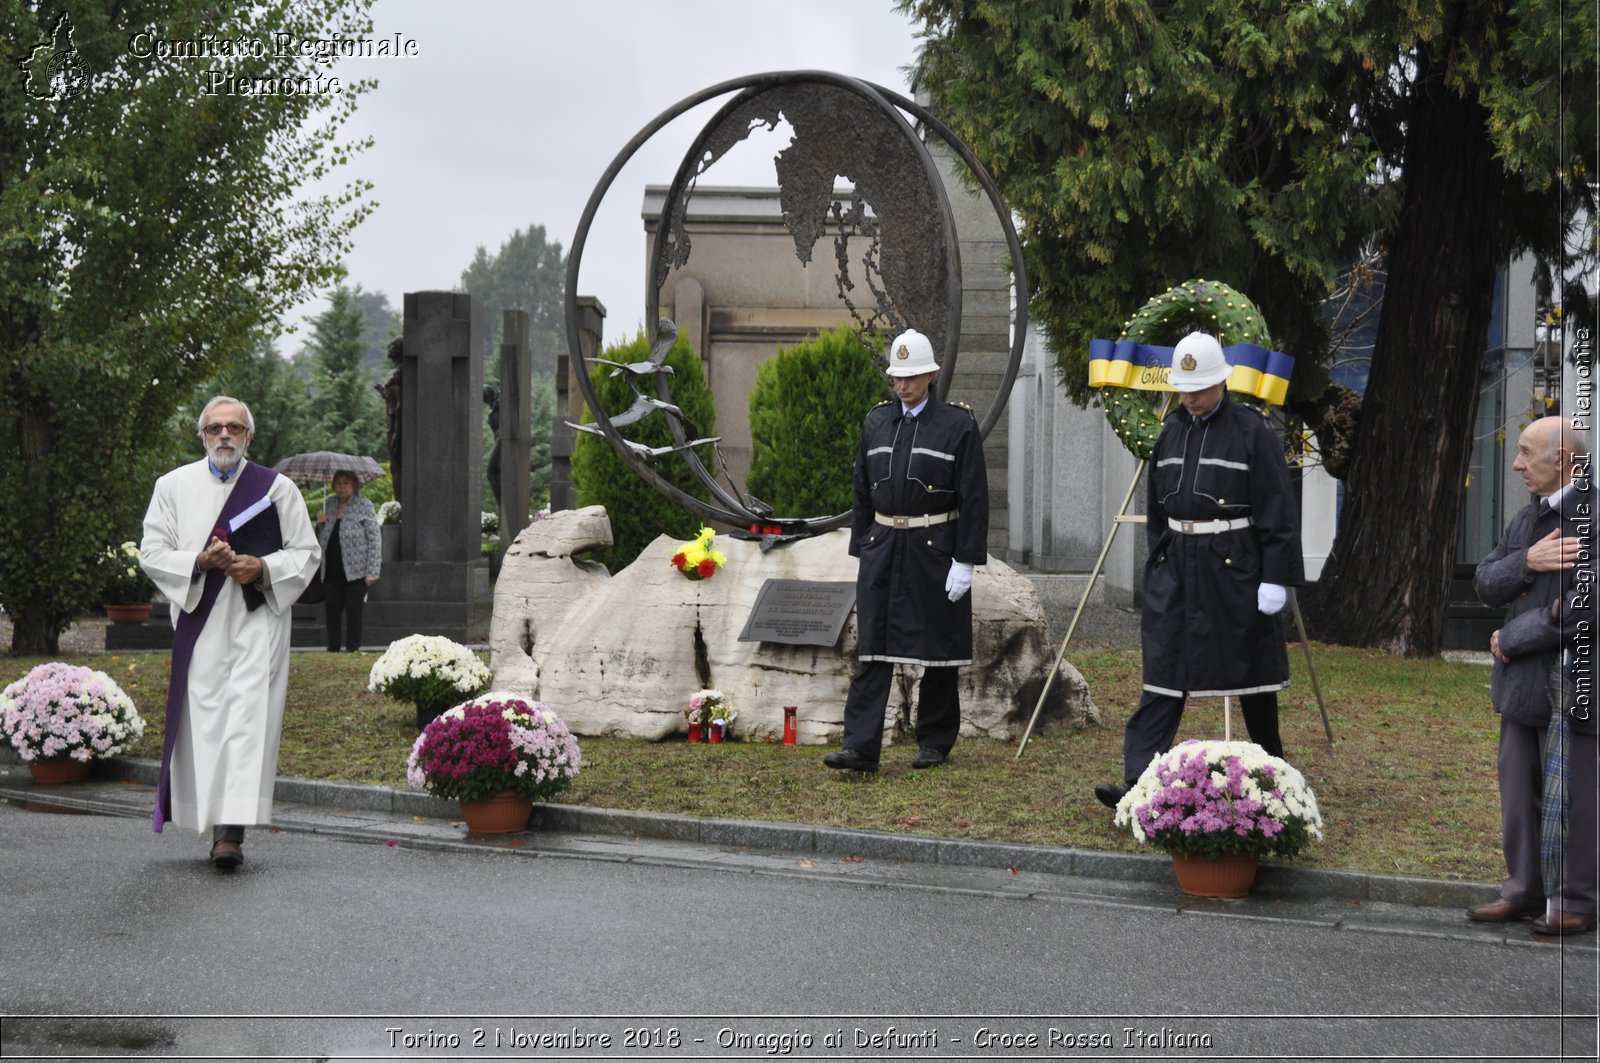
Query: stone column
point(441, 386)
point(516, 441)
point(569, 402)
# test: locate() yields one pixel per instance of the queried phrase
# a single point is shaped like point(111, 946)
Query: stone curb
point(1281, 880)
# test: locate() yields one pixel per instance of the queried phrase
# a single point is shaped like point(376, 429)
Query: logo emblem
point(1188, 364)
point(903, 352)
point(54, 70)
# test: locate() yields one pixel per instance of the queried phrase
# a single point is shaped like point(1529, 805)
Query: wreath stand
point(1123, 517)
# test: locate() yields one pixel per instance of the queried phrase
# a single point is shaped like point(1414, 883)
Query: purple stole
point(252, 485)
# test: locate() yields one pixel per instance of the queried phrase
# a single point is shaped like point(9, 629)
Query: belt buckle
point(1186, 526)
point(902, 522)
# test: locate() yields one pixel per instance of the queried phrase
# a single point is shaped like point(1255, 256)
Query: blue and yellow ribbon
point(1257, 372)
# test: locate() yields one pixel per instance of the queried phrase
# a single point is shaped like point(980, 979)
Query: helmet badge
point(903, 352)
point(1188, 363)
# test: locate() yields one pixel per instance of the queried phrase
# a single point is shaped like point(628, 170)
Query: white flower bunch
point(426, 669)
point(389, 512)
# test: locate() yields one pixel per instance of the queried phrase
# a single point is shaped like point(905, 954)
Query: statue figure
point(390, 390)
point(491, 399)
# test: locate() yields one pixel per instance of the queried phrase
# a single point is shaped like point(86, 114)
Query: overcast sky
point(510, 112)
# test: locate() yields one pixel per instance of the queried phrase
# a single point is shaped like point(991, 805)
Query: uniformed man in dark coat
point(920, 524)
point(1224, 539)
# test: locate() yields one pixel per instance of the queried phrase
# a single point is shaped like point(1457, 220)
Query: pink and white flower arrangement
point(494, 743)
point(1220, 798)
point(64, 710)
point(710, 706)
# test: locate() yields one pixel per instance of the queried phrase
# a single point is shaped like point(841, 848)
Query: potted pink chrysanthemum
point(496, 754)
point(1217, 807)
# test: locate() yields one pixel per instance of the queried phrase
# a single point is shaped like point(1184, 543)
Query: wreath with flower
point(65, 710)
point(697, 560)
point(1220, 798)
point(491, 744)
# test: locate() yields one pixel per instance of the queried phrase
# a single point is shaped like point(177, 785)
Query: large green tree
point(527, 273)
point(153, 218)
point(381, 324)
point(1262, 144)
point(347, 414)
point(279, 400)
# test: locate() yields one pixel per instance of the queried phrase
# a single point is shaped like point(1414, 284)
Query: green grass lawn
point(1408, 788)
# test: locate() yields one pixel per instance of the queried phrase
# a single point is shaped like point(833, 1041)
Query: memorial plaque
point(800, 612)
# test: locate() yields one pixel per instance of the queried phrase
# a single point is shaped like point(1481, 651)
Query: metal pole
point(1078, 613)
point(1311, 667)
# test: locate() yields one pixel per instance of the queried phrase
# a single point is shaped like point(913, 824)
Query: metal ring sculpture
point(761, 99)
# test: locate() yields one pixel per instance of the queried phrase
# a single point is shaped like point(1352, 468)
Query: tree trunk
point(1387, 580)
point(33, 636)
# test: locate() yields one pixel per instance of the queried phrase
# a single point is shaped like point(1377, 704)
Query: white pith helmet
point(1198, 363)
point(911, 354)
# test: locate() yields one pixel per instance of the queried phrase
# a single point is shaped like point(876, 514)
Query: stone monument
point(440, 585)
point(621, 655)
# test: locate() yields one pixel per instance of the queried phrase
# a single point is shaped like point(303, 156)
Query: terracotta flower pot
point(1215, 876)
point(504, 813)
point(128, 614)
point(58, 770)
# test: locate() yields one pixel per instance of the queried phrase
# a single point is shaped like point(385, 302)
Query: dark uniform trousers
point(938, 708)
point(1154, 725)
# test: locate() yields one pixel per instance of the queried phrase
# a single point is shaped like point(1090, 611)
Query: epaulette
point(963, 405)
point(885, 402)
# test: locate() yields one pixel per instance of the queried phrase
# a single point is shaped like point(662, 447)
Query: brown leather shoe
point(225, 856)
point(1560, 923)
point(1503, 911)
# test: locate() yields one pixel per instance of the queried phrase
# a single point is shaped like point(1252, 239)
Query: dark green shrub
point(637, 510)
point(805, 420)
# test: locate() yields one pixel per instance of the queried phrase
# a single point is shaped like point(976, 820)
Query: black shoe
point(928, 757)
point(849, 760)
point(1110, 793)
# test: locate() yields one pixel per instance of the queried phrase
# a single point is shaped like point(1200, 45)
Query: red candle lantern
point(788, 724)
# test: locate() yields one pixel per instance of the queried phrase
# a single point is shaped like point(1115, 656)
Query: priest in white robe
point(231, 546)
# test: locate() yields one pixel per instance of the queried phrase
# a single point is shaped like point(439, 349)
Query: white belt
point(1207, 527)
point(926, 520)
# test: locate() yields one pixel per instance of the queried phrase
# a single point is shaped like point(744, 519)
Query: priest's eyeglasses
point(233, 428)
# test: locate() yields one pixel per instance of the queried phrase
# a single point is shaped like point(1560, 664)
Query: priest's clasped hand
point(244, 568)
point(217, 554)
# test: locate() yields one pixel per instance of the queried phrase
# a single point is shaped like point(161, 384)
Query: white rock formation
point(621, 655)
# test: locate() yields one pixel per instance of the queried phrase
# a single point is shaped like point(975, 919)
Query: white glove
point(959, 581)
point(1271, 598)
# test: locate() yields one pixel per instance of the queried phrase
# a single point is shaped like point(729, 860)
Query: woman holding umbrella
point(347, 528)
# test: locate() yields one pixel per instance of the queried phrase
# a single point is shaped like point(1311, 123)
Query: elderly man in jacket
point(920, 523)
point(1224, 537)
point(1526, 572)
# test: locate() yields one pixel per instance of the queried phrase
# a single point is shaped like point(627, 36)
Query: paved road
point(324, 947)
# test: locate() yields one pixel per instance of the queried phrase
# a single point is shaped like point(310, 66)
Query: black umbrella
point(318, 466)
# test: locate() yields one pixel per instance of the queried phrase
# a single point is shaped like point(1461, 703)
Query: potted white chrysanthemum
point(429, 671)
